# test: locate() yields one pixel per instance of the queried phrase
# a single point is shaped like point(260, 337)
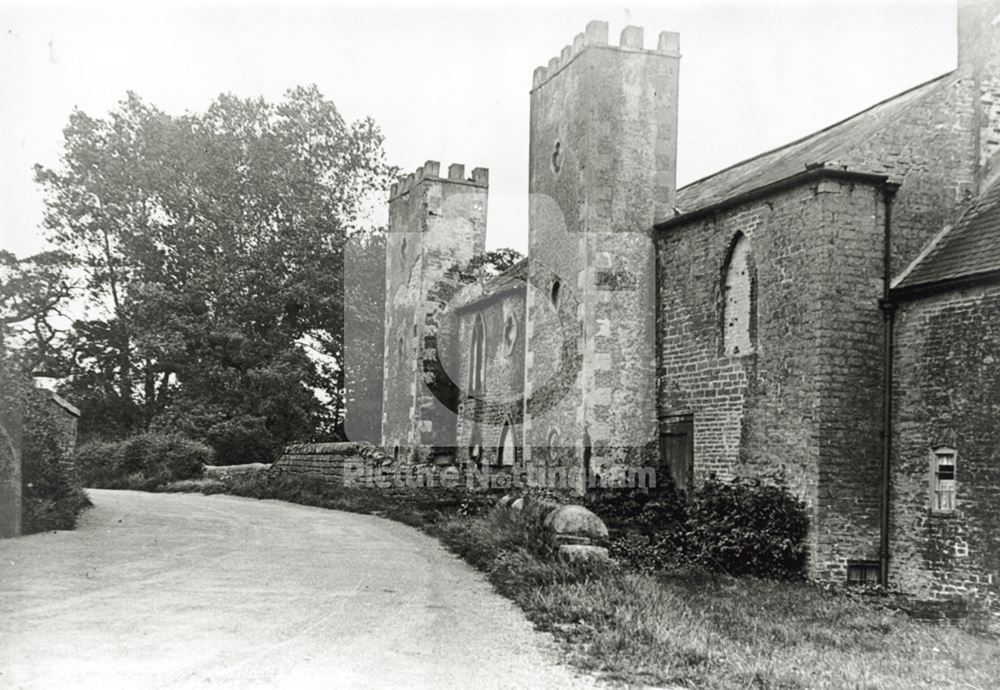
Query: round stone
point(576, 521)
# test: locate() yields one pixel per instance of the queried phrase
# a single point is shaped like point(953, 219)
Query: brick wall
point(930, 149)
point(802, 407)
point(947, 393)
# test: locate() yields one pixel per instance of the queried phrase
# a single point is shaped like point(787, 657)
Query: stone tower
point(602, 169)
point(979, 67)
point(435, 224)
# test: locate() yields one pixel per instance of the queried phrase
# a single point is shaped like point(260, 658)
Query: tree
point(364, 332)
point(213, 249)
point(497, 261)
point(32, 290)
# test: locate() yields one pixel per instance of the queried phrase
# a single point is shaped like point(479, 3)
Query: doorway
point(677, 449)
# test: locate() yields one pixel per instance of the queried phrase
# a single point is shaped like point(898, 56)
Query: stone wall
point(364, 466)
point(65, 418)
point(947, 393)
point(930, 149)
point(342, 464)
point(10, 474)
point(802, 406)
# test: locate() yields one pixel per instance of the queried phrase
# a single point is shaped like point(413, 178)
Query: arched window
point(509, 334)
point(507, 450)
point(738, 299)
point(475, 446)
point(554, 294)
point(477, 362)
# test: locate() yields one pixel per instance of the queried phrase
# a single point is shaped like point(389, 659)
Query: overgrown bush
point(144, 462)
point(657, 510)
point(242, 440)
point(745, 528)
point(740, 528)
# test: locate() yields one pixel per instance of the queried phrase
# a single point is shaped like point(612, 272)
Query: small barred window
point(863, 572)
point(943, 479)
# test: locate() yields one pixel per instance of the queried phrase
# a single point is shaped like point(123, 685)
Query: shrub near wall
point(144, 462)
point(739, 528)
point(746, 528)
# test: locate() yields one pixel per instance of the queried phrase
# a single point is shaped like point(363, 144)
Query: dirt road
point(176, 590)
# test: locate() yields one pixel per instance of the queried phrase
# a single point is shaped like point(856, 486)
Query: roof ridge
point(925, 253)
point(817, 132)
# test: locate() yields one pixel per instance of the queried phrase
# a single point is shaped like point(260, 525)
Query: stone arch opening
point(738, 299)
point(477, 359)
point(475, 446)
point(507, 448)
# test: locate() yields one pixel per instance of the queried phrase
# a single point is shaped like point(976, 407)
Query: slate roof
point(65, 404)
point(970, 248)
point(825, 146)
point(514, 278)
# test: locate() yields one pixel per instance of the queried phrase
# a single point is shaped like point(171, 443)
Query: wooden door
point(677, 449)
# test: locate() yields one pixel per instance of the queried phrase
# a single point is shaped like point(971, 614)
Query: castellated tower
point(435, 224)
point(979, 67)
point(602, 169)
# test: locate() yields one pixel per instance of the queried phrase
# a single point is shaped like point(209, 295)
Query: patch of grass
point(691, 627)
point(204, 485)
point(699, 629)
point(60, 512)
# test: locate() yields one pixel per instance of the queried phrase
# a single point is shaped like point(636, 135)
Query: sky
point(450, 82)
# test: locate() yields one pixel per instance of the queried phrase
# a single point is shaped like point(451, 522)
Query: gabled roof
point(969, 250)
point(65, 404)
point(479, 294)
point(825, 146)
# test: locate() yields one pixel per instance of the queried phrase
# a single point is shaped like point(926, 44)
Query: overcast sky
point(449, 82)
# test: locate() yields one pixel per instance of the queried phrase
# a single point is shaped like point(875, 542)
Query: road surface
point(184, 590)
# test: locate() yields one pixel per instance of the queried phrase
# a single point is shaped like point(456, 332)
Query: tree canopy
point(211, 251)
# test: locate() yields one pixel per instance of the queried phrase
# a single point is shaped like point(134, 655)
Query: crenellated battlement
point(596, 35)
point(431, 170)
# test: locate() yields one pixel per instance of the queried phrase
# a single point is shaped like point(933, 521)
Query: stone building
point(822, 315)
point(10, 473)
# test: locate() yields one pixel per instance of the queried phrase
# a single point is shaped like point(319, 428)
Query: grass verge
point(688, 628)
